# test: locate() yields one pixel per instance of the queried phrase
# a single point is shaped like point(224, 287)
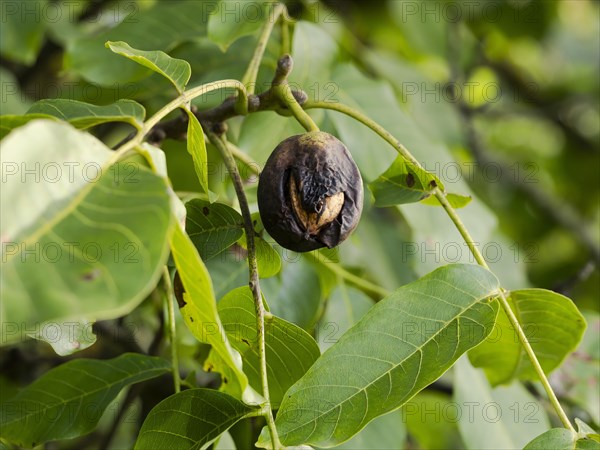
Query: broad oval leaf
point(198, 307)
point(404, 343)
point(69, 400)
point(177, 71)
point(553, 325)
point(85, 115)
point(212, 227)
point(197, 148)
point(91, 241)
point(403, 182)
point(290, 349)
point(190, 420)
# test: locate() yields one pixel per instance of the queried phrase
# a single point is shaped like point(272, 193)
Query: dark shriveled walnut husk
point(310, 193)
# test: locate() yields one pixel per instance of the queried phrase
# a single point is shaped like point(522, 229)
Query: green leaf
point(585, 430)
point(312, 69)
point(227, 272)
point(430, 418)
point(190, 420)
point(68, 401)
point(404, 343)
point(91, 242)
point(385, 432)
point(261, 132)
point(295, 294)
point(197, 148)
point(456, 200)
point(561, 439)
point(212, 227)
point(199, 307)
point(576, 377)
point(156, 159)
point(177, 71)
point(22, 31)
point(553, 325)
point(14, 101)
point(233, 19)
point(268, 260)
point(10, 122)
point(345, 307)
point(290, 350)
point(67, 337)
point(161, 26)
point(85, 115)
point(403, 182)
point(503, 417)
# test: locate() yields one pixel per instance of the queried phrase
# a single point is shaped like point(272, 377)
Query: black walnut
point(310, 193)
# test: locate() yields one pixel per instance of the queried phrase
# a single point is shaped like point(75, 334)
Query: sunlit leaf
point(67, 337)
point(93, 238)
point(197, 148)
point(10, 122)
point(198, 306)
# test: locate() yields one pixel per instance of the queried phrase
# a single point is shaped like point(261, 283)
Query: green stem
point(254, 282)
point(249, 78)
point(286, 45)
point(180, 101)
point(345, 109)
point(172, 332)
point(243, 157)
point(284, 93)
point(357, 281)
point(355, 114)
point(460, 226)
point(441, 197)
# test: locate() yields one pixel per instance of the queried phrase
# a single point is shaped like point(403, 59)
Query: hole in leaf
point(91, 275)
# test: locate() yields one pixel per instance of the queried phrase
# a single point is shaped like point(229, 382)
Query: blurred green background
point(499, 98)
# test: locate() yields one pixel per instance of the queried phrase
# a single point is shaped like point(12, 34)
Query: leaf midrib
point(417, 349)
point(107, 387)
